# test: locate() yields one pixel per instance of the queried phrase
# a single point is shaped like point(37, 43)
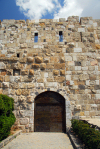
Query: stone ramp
point(39, 140)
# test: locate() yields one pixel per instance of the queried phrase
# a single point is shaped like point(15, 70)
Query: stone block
point(92, 77)
point(30, 99)
point(18, 92)
point(50, 80)
point(81, 29)
point(77, 50)
point(27, 79)
point(50, 66)
point(5, 84)
point(24, 121)
point(67, 82)
point(1, 78)
point(24, 72)
point(25, 92)
point(68, 77)
point(1, 91)
point(59, 66)
point(46, 60)
point(97, 46)
point(31, 72)
point(84, 77)
point(62, 72)
point(30, 59)
point(77, 68)
point(43, 66)
point(51, 84)
point(68, 58)
point(62, 19)
point(93, 63)
point(54, 59)
point(55, 72)
point(2, 65)
point(59, 79)
point(71, 63)
point(29, 113)
point(21, 98)
point(35, 66)
point(82, 87)
point(62, 60)
point(38, 59)
point(77, 107)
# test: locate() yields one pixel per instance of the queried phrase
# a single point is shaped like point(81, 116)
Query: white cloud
point(71, 7)
point(36, 9)
point(82, 8)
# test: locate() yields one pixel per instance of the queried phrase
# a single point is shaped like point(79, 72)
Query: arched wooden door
point(49, 113)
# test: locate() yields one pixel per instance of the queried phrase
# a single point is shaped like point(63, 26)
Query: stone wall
point(71, 67)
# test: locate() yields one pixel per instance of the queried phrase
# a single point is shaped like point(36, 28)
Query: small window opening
point(65, 43)
point(18, 55)
point(44, 40)
point(36, 37)
point(60, 36)
point(52, 28)
point(81, 36)
point(28, 29)
point(16, 72)
point(43, 28)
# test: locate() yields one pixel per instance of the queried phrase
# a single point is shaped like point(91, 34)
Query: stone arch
point(50, 112)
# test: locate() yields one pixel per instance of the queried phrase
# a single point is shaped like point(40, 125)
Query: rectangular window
point(16, 72)
point(36, 37)
point(60, 36)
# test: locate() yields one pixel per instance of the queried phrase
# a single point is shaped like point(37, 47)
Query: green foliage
point(88, 135)
point(7, 118)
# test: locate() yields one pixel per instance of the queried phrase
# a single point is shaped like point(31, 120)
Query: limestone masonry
point(61, 56)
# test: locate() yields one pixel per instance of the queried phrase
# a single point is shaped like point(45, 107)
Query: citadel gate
point(49, 113)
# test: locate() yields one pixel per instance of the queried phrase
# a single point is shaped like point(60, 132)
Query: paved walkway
point(39, 140)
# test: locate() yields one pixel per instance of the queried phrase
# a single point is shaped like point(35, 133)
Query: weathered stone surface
point(31, 72)
point(24, 121)
point(30, 59)
point(30, 99)
point(2, 65)
point(71, 63)
point(62, 72)
point(62, 59)
point(27, 79)
point(77, 50)
point(59, 66)
point(5, 84)
point(24, 72)
point(38, 59)
point(21, 98)
point(82, 87)
point(97, 46)
point(35, 66)
point(70, 68)
point(77, 107)
point(1, 78)
point(43, 66)
point(94, 63)
point(59, 79)
point(25, 92)
point(55, 72)
point(18, 92)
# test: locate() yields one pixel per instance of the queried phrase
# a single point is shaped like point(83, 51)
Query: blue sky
point(48, 9)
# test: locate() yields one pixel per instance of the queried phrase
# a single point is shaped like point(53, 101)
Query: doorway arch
point(49, 112)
